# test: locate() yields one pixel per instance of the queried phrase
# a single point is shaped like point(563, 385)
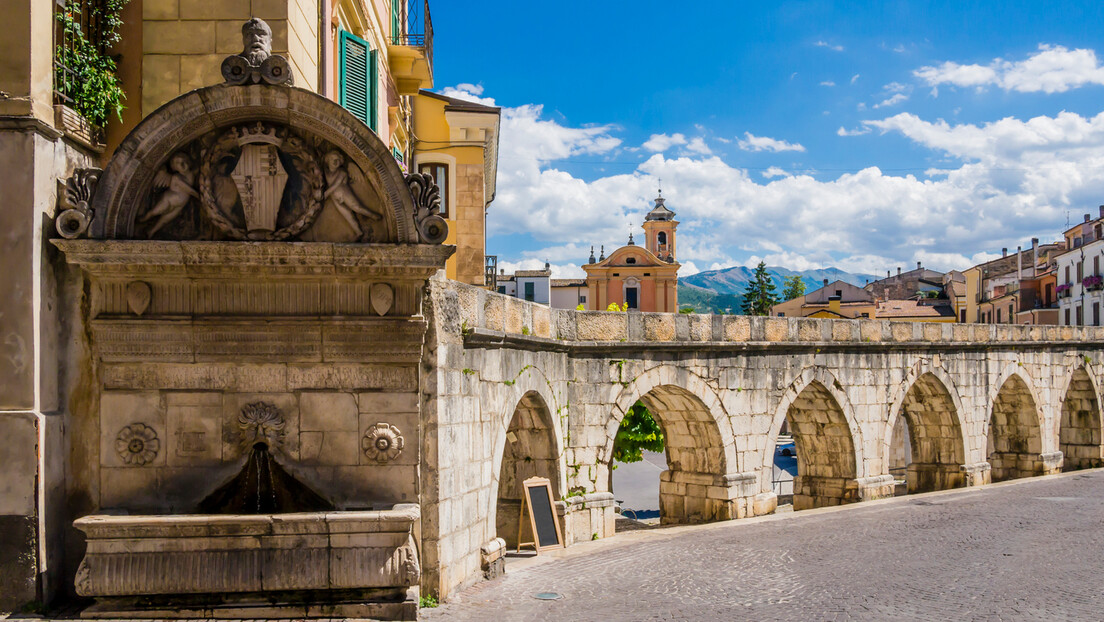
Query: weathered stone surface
point(721, 390)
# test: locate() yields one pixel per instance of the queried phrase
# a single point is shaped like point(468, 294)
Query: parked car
point(786, 449)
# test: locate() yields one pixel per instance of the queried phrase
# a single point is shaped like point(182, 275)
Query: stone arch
point(528, 445)
point(827, 440)
point(1014, 434)
point(928, 405)
point(127, 181)
point(701, 453)
point(1079, 432)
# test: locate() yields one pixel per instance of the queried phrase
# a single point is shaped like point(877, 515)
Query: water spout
point(263, 487)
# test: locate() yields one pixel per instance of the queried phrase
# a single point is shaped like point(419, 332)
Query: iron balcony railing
point(415, 27)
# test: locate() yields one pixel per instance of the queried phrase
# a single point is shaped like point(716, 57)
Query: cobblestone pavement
point(1026, 550)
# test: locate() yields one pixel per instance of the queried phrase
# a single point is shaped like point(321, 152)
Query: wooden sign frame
point(537, 485)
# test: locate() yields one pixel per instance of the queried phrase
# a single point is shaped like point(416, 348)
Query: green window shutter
point(396, 32)
point(358, 78)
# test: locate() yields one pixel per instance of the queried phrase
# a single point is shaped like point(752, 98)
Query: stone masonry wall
point(745, 375)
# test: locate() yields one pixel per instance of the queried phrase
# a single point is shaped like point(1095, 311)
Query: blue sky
point(809, 134)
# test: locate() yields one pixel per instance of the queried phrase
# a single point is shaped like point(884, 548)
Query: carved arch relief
point(253, 159)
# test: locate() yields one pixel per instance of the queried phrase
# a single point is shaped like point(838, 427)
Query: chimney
point(826, 282)
point(1004, 252)
point(918, 266)
point(1019, 263)
point(1034, 256)
point(1088, 217)
point(1102, 211)
point(887, 274)
point(898, 270)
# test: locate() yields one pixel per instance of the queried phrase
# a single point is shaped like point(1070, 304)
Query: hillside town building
point(1078, 271)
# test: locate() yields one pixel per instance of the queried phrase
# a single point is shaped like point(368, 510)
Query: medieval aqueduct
point(522, 390)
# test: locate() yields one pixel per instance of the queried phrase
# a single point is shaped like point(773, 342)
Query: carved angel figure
point(177, 181)
point(338, 190)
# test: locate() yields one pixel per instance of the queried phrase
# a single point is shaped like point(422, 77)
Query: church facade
point(644, 278)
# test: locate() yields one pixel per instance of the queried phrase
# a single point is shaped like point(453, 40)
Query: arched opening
point(926, 448)
point(826, 469)
point(693, 489)
point(530, 451)
point(1014, 441)
point(1079, 436)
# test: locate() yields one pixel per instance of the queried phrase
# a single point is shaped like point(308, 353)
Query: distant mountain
point(723, 290)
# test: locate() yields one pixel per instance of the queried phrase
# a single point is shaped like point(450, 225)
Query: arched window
point(662, 237)
point(630, 260)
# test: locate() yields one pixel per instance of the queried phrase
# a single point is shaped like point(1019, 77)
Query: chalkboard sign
point(537, 502)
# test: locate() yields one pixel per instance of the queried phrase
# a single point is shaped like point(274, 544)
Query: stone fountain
point(248, 274)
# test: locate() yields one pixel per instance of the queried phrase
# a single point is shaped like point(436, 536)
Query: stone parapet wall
point(489, 314)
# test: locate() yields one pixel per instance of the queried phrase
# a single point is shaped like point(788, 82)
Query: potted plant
point(84, 75)
point(1063, 290)
point(1093, 282)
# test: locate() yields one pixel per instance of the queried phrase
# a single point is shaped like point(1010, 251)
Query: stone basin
point(314, 564)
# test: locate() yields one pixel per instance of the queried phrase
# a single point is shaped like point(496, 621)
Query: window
point(998, 316)
point(502, 289)
point(1079, 271)
point(1067, 317)
point(866, 315)
point(662, 237)
point(1096, 266)
point(582, 298)
point(529, 291)
point(358, 78)
point(1080, 319)
point(439, 173)
point(780, 314)
point(1096, 314)
point(839, 293)
point(1068, 275)
point(962, 316)
point(630, 260)
point(1011, 316)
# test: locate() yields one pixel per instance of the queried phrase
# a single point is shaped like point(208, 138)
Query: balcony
point(410, 51)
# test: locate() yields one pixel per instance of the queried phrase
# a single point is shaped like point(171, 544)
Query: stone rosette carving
point(261, 422)
point(72, 222)
point(432, 228)
point(382, 442)
point(256, 64)
point(137, 444)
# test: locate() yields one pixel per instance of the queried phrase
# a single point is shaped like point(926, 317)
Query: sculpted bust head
point(256, 41)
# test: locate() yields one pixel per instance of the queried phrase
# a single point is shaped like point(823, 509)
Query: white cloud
point(688, 268)
point(1052, 69)
point(751, 142)
point(697, 145)
point(999, 184)
point(825, 44)
point(468, 92)
point(827, 83)
point(663, 142)
point(892, 101)
point(559, 271)
point(854, 78)
point(899, 48)
point(859, 131)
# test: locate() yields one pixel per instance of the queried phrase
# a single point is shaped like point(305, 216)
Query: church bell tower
point(659, 230)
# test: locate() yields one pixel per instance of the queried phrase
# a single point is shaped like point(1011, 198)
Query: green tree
point(638, 431)
point(760, 296)
point(793, 287)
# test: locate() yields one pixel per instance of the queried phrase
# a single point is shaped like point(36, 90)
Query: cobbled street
point(1025, 550)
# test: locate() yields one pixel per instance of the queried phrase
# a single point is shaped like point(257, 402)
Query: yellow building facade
point(457, 144)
